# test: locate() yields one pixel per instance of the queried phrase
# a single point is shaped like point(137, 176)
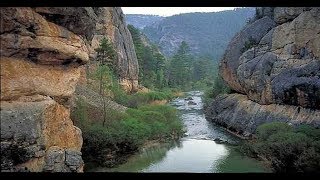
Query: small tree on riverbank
point(106, 55)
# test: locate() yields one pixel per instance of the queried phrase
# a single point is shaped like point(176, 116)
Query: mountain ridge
point(205, 32)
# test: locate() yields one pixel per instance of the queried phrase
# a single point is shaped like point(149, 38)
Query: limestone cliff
point(275, 62)
point(39, 71)
point(95, 23)
point(42, 53)
point(111, 23)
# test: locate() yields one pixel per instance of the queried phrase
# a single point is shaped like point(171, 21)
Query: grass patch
point(125, 132)
point(142, 98)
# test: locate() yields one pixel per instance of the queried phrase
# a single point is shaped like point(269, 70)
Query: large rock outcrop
point(275, 62)
point(111, 23)
point(94, 24)
point(42, 53)
point(237, 113)
point(39, 72)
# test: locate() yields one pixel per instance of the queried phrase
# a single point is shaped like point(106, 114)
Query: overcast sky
point(169, 11)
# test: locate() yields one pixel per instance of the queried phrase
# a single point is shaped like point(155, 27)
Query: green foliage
point(288, 149)
point(219, 87)
point(166, 110)
point(309, 131)
point(81, 113)
point(139, 99)
point(106, 78)
point(126, 132)
point(151, 61)
point(106, 54)
point(210, 32)
point(264, 131)
point(182, 71)
point(181, 67)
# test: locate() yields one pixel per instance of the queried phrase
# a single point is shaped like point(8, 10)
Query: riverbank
point(182, 156)
point(111, 136)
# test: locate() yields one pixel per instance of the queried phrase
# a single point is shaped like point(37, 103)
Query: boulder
point(285, 14)
point(191, 103)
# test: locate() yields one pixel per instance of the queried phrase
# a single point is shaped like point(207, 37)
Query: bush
point(140, 99)
point(285, 148)
point(309, 131)
point(81, 115)
point(219, 87)
point(288, 149)
point(167, 111)
point(126, 132)
point(267, 129)
point(309, 160)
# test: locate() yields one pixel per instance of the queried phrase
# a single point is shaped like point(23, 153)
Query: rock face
point(39, 71)
point(42, 53)
point(252, 33)
point(94, 24)
point(237, 113)
point(111, 24)
point(275, 63)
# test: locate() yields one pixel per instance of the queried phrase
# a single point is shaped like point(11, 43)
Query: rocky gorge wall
point(273, 65)
point(110, 22)
point(43, 51)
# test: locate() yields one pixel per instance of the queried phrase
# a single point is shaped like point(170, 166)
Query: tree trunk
point(104, 111)
point(101, 75)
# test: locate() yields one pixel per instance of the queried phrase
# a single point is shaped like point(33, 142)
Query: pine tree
point(106, 53)
point(106, 57)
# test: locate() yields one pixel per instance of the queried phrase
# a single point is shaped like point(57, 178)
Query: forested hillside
point(183, 70)
point(152, 64)
point(206, 33)
point(140, 20)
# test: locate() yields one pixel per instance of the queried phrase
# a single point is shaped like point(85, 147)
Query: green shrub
point(219, 87)
point(114, 116)
point(310, 131)
point(119, 95)
point(309, 160)
point(140, 99)
point(289, 138)
point(152, 116)
point(136, 131)
point(285, 148)
point(169, 112)
point(288, 149)
point(136, 100)
point(81, 116)
point(126, 132)
point(267, 129)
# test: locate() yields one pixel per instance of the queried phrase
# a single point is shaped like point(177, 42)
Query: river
point(197, 152)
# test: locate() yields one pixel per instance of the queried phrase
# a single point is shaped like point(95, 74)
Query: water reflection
point(193, 156)
point(143, 159)
point(197, 152)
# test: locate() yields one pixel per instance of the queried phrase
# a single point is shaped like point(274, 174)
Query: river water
point(197, 152)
